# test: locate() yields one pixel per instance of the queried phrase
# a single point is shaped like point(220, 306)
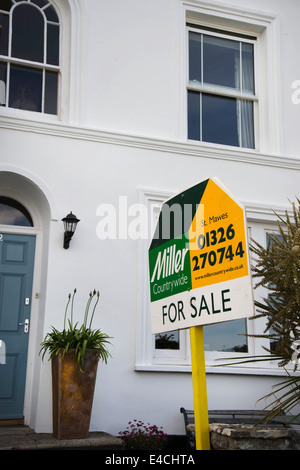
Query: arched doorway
point(25, 216)
point(17, 253)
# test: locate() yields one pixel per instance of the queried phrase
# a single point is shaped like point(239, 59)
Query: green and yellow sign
point(198, 260)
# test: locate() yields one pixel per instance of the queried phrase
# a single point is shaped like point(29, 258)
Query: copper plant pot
point(72, 393)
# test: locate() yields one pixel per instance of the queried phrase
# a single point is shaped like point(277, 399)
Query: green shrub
point(78, 338)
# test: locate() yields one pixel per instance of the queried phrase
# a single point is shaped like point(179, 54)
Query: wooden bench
point(229, 417)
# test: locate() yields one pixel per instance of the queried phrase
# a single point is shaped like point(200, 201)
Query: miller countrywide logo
point(170, 269)
point(200, 242)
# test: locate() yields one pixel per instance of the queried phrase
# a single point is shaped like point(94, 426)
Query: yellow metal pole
point(199, 389)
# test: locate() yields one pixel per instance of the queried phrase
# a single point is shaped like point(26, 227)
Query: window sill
point(210, 369)
point(32, 116)
point(215, 146)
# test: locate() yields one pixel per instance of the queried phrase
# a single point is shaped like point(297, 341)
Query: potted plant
point(75, 352)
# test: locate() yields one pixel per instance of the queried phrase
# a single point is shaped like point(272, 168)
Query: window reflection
point(25, 88)
point(195, 55)
point(194, 116)
point(4, 21)
point(220, 123)
point(271, 331)
point(51, 14)
point(227, 337)
point(221, 62)
point(53, 44)
point(29, 42)
point(2, 83)
point(51, 92)
point(223, 337)
point(247, 68)
point(40, 3)
point(168, 340)
point(14, 213)
point(6, 5)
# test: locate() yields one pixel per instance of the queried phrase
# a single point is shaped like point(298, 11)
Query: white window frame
point(260, 220)
point(222, 91)
point(72, 96)
point(264, 27)
point(43, 66)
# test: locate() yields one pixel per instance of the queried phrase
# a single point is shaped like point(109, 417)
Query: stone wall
point(242, 437)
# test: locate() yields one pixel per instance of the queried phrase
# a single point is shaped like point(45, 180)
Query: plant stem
point(87, 308)
point(66, 311)
point(98, 295)
point(72, 305)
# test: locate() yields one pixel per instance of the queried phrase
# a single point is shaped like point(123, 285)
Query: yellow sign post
point(199, 389)
point(200, 274)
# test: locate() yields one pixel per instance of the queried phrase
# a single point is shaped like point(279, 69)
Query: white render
point(122, 132)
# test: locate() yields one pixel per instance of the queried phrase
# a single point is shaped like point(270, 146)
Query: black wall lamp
point(70, 224)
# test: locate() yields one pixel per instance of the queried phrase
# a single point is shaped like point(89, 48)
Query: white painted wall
point(128, 136)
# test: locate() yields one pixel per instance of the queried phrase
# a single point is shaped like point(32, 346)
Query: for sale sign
point(198, 260)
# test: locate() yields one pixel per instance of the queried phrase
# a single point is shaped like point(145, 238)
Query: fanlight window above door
point(14, 213)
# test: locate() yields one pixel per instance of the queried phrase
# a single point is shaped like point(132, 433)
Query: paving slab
point(24, 438)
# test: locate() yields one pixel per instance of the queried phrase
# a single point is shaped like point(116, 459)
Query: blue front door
point(16, 275)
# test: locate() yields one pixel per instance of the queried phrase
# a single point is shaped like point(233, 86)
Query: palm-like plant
point(77, 338)
point(278, 269)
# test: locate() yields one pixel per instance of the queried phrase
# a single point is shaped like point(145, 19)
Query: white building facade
point(131, 102)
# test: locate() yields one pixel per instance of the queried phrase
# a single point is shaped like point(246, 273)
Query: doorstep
point(24, 438)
